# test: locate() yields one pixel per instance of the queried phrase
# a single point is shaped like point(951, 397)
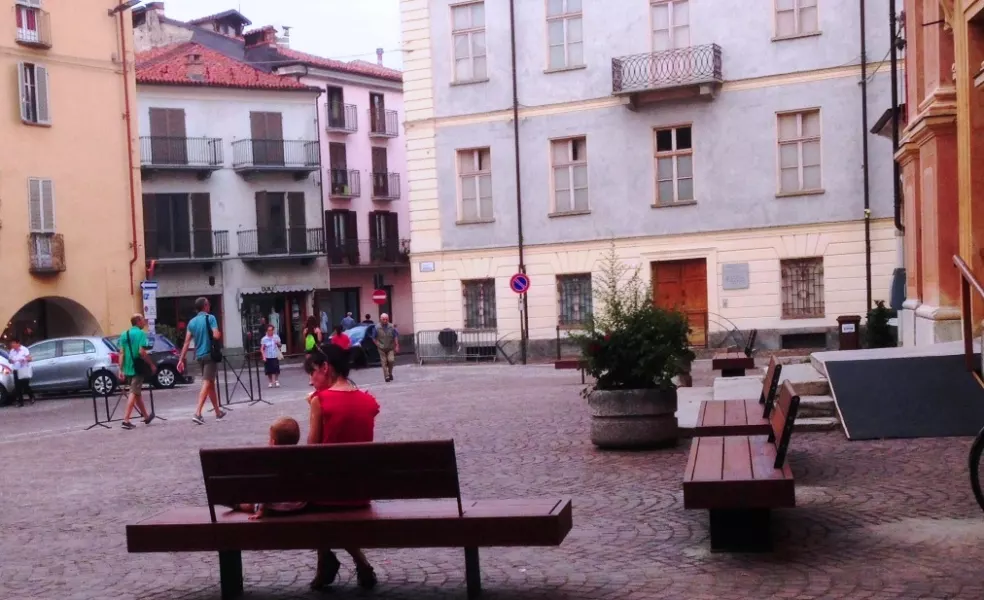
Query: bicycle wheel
point(975, 467)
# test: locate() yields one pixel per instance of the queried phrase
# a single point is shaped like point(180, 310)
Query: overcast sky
point(342, 29)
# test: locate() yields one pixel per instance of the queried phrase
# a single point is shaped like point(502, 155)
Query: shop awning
point(275, 289)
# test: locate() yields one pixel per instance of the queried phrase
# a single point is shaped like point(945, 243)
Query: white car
point(6, 379)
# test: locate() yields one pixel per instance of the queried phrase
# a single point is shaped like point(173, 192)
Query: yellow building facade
point(70, 263)
point(743, 271)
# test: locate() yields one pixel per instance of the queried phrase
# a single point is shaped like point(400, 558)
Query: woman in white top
point(270, 352)
point(20, 361)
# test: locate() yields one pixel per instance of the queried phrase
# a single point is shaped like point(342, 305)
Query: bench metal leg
point(732, 372)
point(747, 530)
point(473, 573)
point(231, 574)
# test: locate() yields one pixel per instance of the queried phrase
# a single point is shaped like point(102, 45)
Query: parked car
point(73, 364)
point(364, 351)
point(6, 379)
point(165, 355)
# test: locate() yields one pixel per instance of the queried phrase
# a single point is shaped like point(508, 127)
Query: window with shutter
point(32, 82)
point(41, 200)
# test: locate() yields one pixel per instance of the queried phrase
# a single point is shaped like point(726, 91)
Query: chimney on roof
point(284, 40)
point(196, 66)
point(265, 36)
point(379, 56)
point(156, 7)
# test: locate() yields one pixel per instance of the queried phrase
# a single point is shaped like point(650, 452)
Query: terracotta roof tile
point(168, 66)
point(221, 15)
point(358, 67)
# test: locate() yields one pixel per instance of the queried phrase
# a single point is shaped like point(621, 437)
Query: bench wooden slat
point(741, 417)
point(709, 459)
point(737, 459)
point(763, 461)
point(714, 414)
point(734, 414)
point(396, 524)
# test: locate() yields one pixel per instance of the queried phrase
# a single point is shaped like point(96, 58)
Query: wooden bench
point(572, 363)
point(741, 417)
point(732, 364)
point(415, 483)
point(740, 479)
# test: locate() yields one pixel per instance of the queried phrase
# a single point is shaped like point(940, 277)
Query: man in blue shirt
point(348, 322)
point(202, 329)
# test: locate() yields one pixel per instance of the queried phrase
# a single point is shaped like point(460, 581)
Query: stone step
point(817, 424)
point(806, 380)
point(816, 407)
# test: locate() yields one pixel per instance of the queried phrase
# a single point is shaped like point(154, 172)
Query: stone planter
point(633, 419)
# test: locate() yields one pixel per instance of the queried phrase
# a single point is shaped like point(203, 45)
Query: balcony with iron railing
point(345, 183)
point(281, 242)
point(47, 253)
point(196, 245)
point(694, 71)
point(200, 155)
point(383, 123)
point(342, 118)
point(298, 157)
point(33, 27)
point(369, 253)
point(385, 186)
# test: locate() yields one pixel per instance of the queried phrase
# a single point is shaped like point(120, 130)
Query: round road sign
point(519, 283)
point(379, 296)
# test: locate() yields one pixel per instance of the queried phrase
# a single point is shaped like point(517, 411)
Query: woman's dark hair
point(14, 339)
point(338, 329)
point(331, 354)
point(311, 324)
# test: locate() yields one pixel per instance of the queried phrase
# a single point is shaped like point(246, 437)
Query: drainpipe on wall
point(525, 322)
point(129, 150)
point(896, 171)
point(864, 151)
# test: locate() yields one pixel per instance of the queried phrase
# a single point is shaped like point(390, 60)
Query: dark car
point(165, 356)
point(364, 352)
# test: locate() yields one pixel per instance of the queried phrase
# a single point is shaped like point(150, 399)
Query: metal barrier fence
point(457, 345)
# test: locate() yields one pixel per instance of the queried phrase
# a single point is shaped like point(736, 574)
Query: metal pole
point(864, 151)
point(896, 170)
point(525, 321)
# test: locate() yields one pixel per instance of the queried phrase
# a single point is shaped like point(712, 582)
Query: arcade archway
point(50, 317)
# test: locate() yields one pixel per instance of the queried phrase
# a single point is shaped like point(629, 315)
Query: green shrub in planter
point(878, 333)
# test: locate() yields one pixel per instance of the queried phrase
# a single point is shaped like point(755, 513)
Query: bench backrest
point(331, 473)
point(782, 418)
point(770, 384)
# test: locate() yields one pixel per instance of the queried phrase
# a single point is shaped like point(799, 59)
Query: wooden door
point(380, 177)
point(682, 285)
point(392, 227)
point(267, 130)
point(297, 221)
point(201, 224)
point(168, 143)
point(336, 107)
point(338, 163)
point(377, 112)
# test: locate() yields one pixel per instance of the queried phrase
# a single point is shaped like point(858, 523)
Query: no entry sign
point(519, 283)
point(379, 296)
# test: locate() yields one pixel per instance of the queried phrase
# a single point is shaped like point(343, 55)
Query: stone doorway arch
point(50, 317)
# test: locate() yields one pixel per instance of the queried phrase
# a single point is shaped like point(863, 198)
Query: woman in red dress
point(340, 339)
point(340, 413)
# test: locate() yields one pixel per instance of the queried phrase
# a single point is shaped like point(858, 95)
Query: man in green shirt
point(133, 347)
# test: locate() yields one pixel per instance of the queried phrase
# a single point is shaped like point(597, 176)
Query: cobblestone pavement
point(876, 520)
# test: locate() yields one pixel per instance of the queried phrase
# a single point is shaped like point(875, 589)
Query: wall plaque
point(735, 276)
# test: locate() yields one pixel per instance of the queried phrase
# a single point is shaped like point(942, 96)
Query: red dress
point(341, 340)
point(347, 417)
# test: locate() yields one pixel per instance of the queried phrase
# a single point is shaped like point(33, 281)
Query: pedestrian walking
point(339, 338)
point(204, 330)
point(20, 362)
point(270, 351)
point(137, 367)
point(387, 340)
point(348, 322)
point(312, 334)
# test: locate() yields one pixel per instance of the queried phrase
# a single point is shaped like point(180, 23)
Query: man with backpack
point(137, 367)
point(204, 330)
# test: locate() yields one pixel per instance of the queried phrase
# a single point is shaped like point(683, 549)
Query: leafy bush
point(630, 343)
point(878, 333)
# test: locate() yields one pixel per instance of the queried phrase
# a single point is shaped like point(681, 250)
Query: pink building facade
point(364, 186)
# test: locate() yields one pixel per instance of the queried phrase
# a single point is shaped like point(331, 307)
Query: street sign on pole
point(519, 283)
point(148, 290)
point(379, 296)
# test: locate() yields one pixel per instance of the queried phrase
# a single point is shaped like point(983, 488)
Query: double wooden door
point(682, 285)
point(267, 131)
point(168, 138)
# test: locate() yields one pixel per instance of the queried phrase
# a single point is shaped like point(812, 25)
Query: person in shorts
point(133, 347)
point(270, 351)
point(202, 328)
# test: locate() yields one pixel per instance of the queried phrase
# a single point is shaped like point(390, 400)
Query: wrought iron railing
point(34, 27)
point(667, 69)
point(969, 287)
point(283, 240)
point(345, 183)
point(342, 118)
point(802, 288)
point(355, 253)
point(185, 245)
point(180, 151)
point(289, 154)
point(47, 252)
point(383, 123)
point(386, 186)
